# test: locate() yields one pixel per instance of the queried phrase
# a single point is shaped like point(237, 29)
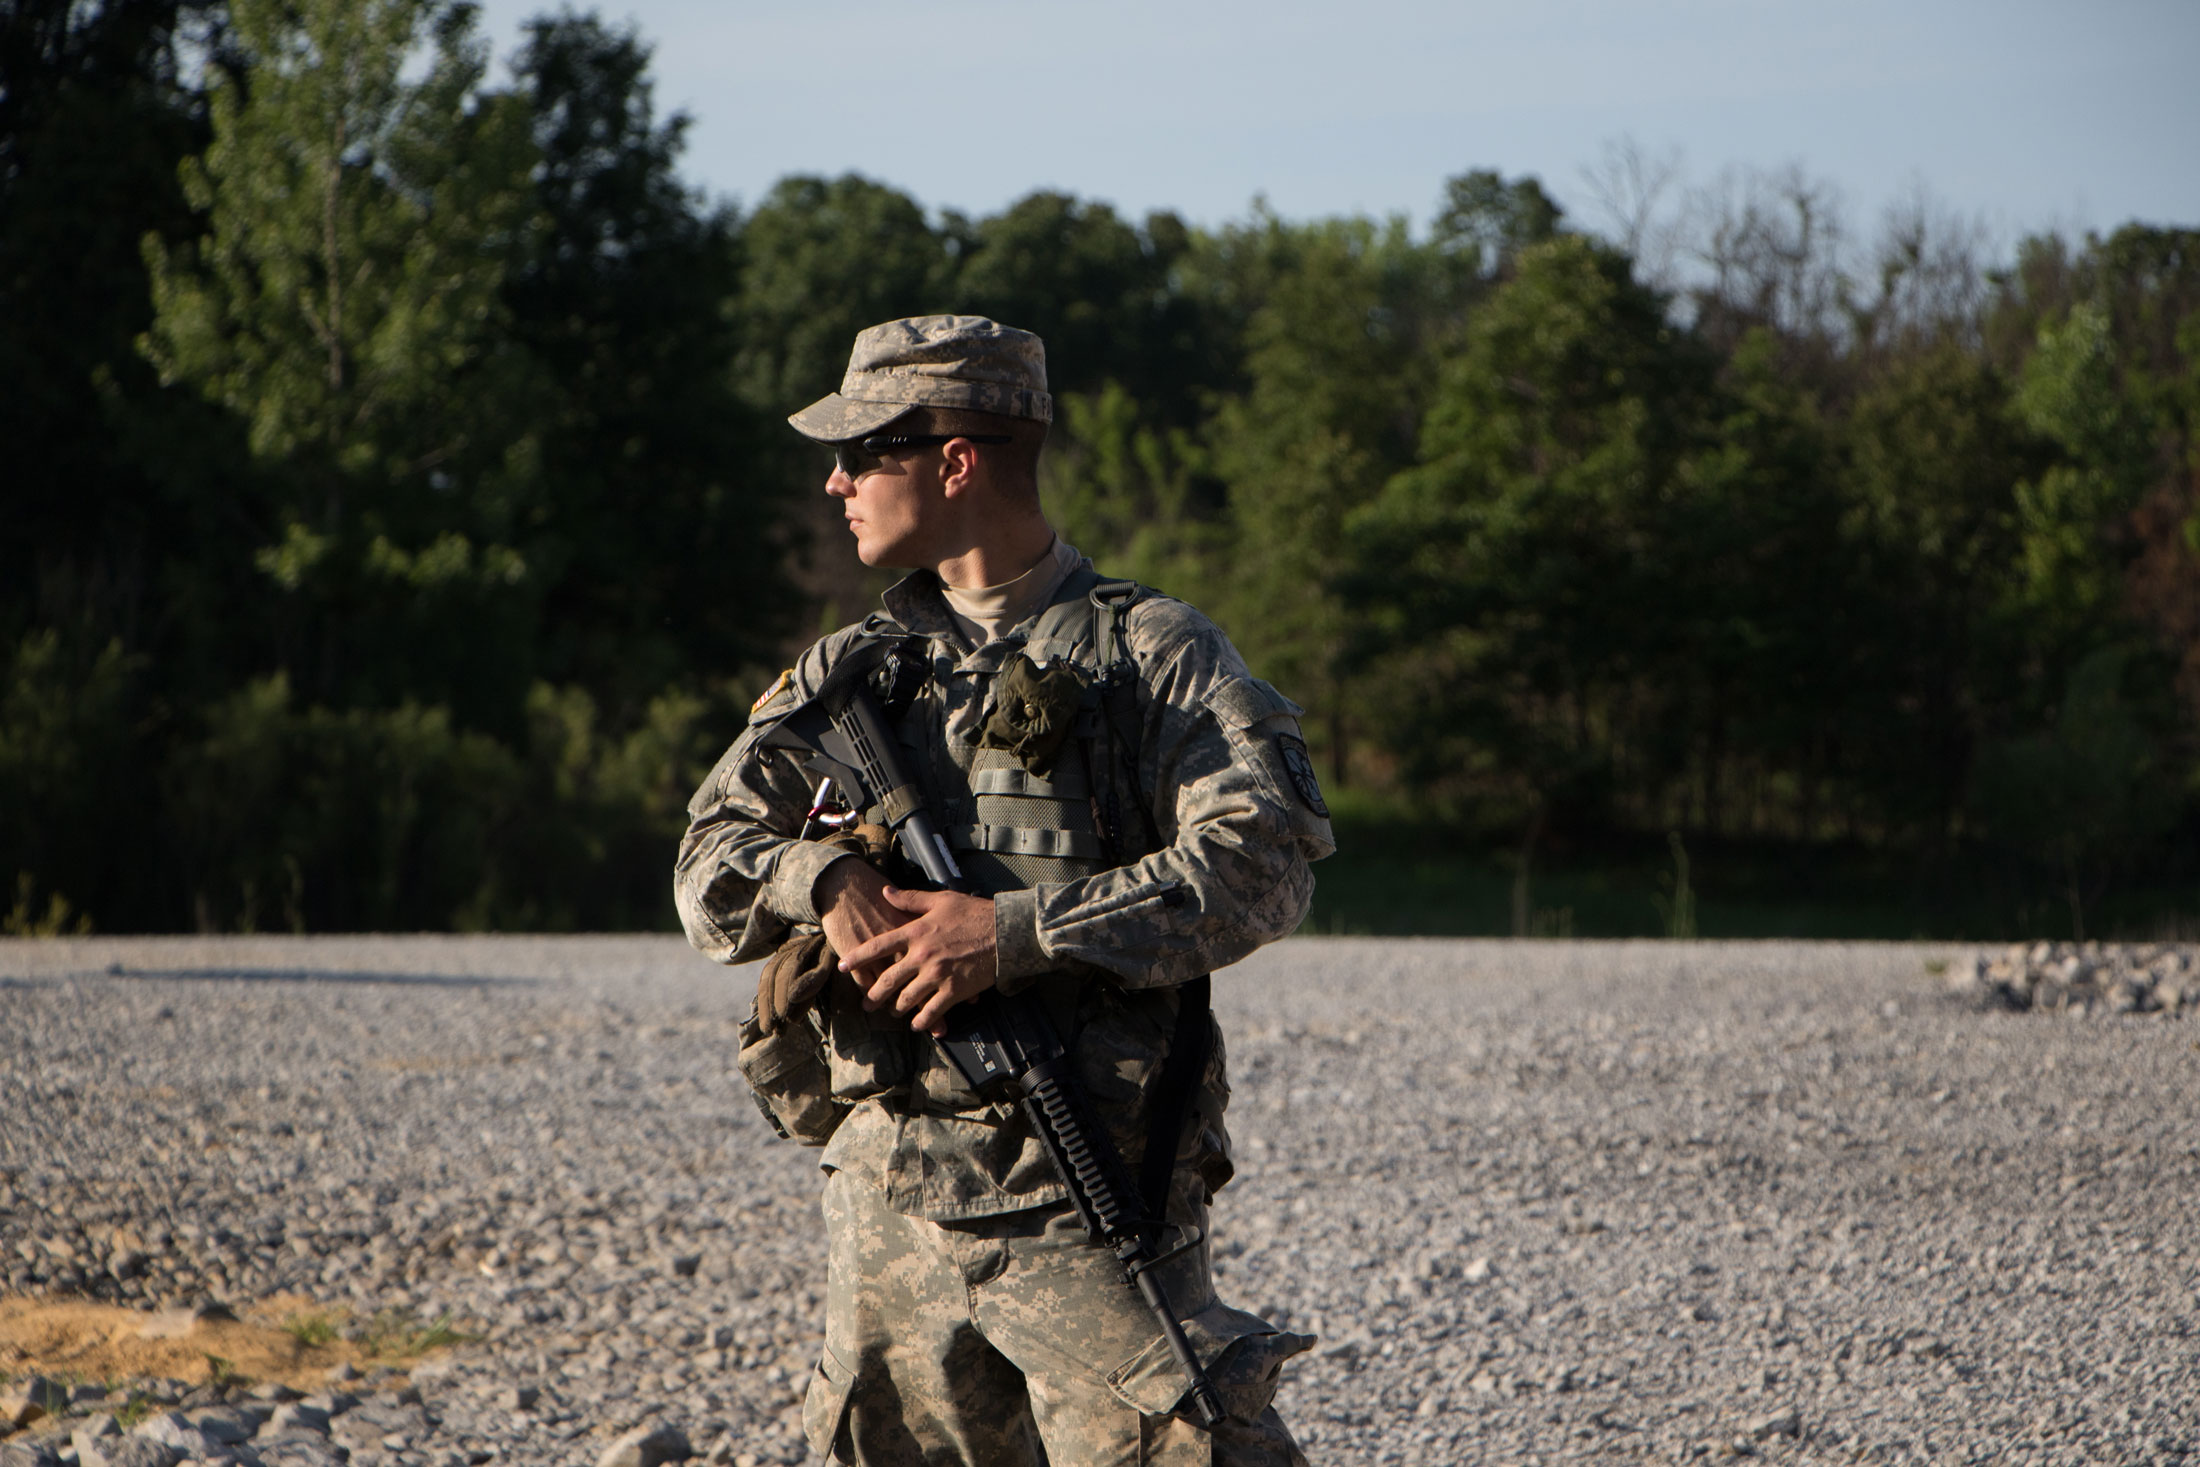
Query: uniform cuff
point(1018, 958)
point(792, 890)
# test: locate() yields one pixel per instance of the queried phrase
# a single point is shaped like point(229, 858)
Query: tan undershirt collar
point(983, 613)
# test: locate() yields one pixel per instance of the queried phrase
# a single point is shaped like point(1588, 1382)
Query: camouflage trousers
point(1012, 1341)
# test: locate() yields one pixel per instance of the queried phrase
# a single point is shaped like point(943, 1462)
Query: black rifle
point(1001, 1043)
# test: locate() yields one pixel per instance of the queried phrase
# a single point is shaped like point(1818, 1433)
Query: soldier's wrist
point(832, 881)
point(796, 881)
point(1017, 954)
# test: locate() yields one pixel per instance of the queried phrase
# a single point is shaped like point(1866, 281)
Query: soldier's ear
point(960, 467)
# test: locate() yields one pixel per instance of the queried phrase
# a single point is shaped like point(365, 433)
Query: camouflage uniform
point(969, 1317)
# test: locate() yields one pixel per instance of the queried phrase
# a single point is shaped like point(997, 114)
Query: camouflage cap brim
point(835, 419)
point(963, 362)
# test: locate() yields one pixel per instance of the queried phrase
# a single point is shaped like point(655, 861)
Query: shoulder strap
point(1120, 727)
point(1111, 605)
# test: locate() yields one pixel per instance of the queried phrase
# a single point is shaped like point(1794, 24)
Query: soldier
point(1139, 810)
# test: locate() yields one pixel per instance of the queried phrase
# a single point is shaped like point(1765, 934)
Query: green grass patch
point(399, 1334)
point(313, 1328)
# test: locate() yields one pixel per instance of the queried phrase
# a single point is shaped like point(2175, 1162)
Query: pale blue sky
point(2021, 114)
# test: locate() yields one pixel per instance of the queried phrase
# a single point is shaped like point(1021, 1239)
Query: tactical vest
point(1017, 827)
point(1148, 1058)
point(1013, 828)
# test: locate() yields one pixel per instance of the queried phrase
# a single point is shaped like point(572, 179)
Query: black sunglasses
point(859, 456)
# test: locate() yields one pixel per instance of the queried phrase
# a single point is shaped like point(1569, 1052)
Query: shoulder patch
point(785, 681)
point(1300, 766)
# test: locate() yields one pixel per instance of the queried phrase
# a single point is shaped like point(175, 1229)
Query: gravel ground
point(1544, 1202)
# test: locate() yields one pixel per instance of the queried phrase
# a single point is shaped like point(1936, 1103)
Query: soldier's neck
point(1005, 551)
point(983, 613)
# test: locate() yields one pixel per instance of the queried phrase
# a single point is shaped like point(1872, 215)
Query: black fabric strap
point(1190, 1047)
point(1117, 690)
point(906, 670)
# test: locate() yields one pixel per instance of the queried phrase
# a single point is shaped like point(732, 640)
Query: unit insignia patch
point(1300, 766)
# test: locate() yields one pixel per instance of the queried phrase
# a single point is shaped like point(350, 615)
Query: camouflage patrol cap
point(932, 361)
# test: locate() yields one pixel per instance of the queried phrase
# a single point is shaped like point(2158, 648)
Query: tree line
point(400, 513)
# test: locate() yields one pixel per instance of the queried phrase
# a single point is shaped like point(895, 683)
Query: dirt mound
point(76, 1339)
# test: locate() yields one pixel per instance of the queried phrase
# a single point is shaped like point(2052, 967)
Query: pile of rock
point(164, 1423)
point(170, 1424)
point(2085, 977)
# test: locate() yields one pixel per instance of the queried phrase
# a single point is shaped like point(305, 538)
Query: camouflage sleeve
point(1238, 809)
point(744, 876)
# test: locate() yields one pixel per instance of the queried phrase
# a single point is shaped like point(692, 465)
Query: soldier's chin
point(875, 553)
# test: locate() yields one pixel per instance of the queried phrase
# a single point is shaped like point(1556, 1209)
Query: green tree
point(2103, 343)
point(2147, 281)
point(660, 545)
point(2073, 513)
point(1522, 583)
point(345, 303)
point(306, 818)
point(1133, 492)
point(70, 736)
point(1485, 222)
point(1932, 452)
point(105, 555)
point(1754, 626)
point(2083, 797)
point(1337, 358)
point(93, 120)
point(822, 259)
point(1102, 293)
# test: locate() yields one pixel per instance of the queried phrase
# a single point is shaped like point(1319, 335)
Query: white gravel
point(1544, 1202)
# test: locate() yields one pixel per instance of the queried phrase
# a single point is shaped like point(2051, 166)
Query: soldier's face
point(889, 504)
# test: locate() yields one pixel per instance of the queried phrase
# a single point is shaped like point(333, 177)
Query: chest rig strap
point(1111, 604)
point(1109, 730)
point(1119, 729)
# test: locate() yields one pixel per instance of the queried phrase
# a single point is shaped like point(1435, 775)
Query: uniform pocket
point(825, 1409)
point(1243, 1353)
point(787, 1073)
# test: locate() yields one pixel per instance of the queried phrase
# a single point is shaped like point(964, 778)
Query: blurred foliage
point(401, 510)
point(393, 558)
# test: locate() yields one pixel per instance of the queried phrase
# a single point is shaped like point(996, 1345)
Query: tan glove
point(795, 975)
point(874, 843)
point(792, 979)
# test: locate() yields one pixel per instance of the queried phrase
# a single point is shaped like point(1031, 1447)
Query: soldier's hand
point(852, 907)
point(941, 955)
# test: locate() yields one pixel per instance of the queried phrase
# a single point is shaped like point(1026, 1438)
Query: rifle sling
point(1190, 1047)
